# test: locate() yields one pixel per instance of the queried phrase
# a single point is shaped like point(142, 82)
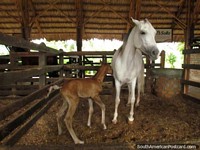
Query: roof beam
point(167, 11)
point(114, 11)
point(36, 20)
point(196, 11)
point(178, 13)
point(47, 9)
point(24, 10)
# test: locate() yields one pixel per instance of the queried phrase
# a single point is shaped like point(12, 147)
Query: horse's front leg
point(117, 100)
point(132, 101)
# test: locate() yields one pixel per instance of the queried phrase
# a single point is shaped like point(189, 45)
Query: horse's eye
point(142, 32)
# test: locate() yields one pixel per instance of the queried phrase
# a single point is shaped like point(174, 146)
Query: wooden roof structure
point(85, 19)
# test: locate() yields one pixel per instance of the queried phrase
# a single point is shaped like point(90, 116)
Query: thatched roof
point(107, 19)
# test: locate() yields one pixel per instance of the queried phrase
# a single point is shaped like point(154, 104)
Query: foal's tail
point(53, 87)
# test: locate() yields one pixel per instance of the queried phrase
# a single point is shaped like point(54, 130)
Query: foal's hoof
point(114, 121)
point(79, 142)
point(104, 127)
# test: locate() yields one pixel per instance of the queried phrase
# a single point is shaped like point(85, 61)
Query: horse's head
point(144, 38)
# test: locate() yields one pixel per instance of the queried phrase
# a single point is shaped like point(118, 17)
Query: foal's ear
point(146, 20)
point(136, 22)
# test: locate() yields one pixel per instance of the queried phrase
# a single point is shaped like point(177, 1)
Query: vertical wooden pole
point(26, 29)
point(61, 62)
point(42, 64)
point(79, 29)
point(189, 35)
point(162, 59)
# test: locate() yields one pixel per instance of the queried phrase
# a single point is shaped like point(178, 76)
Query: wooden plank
point(28, 124)
point(191, 66)
point(14, 76)
point(191, 98)
point(80, 67)
point(42, 77)
point(89, 53)
point(191, 51)
point(192, 83)
point(20, 103)
point(16, 92)
point(19, 42)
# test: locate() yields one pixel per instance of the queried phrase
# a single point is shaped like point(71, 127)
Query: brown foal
point(74, 89)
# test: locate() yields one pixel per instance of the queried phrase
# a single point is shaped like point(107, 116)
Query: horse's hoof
point(130, 121)
point(114, 121)
point(89, 126)
point(104, 127)
point(137, 105)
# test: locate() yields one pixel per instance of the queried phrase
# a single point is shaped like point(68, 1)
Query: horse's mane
point(121, 49)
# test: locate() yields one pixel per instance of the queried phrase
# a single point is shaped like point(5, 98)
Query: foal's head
point(103, 70)
point(144, 38)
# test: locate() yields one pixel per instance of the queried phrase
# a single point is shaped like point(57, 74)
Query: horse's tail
point(53, 87)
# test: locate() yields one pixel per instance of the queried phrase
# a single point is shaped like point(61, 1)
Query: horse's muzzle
point(154, 53)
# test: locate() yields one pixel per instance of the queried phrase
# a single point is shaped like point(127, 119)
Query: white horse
point(127, 62)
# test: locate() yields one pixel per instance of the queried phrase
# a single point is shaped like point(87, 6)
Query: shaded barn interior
point(23, 88)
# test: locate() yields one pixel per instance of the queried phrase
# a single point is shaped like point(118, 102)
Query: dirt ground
point(157, 120)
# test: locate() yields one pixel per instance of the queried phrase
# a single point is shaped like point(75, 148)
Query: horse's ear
point(136, 22)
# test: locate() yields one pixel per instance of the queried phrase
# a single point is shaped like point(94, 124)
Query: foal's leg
point(117, 100)
point(132, 96)
point(60, 116)
point(91, 110)
point(97, 100)
point(73, 103)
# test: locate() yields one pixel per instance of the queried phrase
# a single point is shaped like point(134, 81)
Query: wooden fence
point(191, 72)
point(17, 79)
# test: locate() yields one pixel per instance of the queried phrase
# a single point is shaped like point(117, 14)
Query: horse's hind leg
point(91, 110)
point(129, 95)
point(117, 101)
point(60, 116)
point(97, 100)
point(73, 103)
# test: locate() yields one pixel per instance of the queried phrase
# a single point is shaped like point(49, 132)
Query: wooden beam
point(36, 20)
point(11, 108)
point(114, 11)
point(17, 42)
point(45, 11)
point(167, 11)
point(196, 11)
point(14, 76)
point(67, 16)
point(178, 13)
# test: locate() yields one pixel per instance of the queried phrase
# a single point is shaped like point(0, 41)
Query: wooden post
point(79, 30)
point(189, 35)
point(26, 29)
point(61, 62)
point(42, 63)
point(162, 59)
